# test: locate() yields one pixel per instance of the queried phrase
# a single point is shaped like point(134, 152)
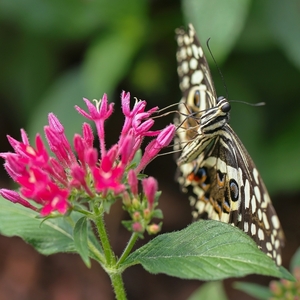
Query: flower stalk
point(109, 255)
point(128, 248)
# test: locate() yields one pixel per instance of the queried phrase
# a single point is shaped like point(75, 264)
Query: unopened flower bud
point(136, 216)
point(153, 228)
point(136, 203)
point(275, 288)
point(126, 199)
point(133, 182)
point(147, 214)
point(150, 188)
point(137, 227)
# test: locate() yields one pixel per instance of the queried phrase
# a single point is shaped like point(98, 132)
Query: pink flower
point(57, 200)
point(41, 178)
point(53, 184)
point(108, 180)
point(134, 118)
point(98, 113)
point(138, 107)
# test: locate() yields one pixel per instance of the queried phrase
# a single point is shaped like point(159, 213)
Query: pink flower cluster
point(50, 181)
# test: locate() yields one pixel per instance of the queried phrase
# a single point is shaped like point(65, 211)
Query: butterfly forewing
point(215, 169)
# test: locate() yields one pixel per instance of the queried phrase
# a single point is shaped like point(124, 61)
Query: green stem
point(118, 285)
point(128, 248)
point(84, 212)
point(109, 265)
point(109, 255)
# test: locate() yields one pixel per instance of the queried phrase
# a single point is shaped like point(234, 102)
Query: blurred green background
point(53, 53)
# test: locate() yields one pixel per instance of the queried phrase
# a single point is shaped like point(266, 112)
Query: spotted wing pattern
point(215, 168)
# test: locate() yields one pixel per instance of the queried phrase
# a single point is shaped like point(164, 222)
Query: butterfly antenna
point(159, 112)
point(250, 104)
point(219, 70)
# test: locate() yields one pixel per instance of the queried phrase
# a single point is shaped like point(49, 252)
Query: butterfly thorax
point(215, 118)
point(211, 124)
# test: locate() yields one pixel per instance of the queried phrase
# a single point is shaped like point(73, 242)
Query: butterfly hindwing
point(215, 168)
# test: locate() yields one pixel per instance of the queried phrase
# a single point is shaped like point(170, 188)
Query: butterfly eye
point(197, 98)
point(220, 98)
point(226, 107)
point(234, 190)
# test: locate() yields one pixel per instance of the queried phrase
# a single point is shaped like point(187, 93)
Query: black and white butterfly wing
point(215, 168)
point(195, 82)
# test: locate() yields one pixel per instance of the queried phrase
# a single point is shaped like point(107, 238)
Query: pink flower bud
point(91, 157)
point(112, 153)
point(78, 173)
point(14, 197)
point(126, 199)
point(88, 136)
point(55, 124)
point(58, 142)
point(126, 149)
point(79, 148)
point(162, 140)
point(137, 227)
point(143, 127)
point(57, 171)
point(16, 164)
point(24, 137)
point(133, 182)
point(150, 188)
point(136, 203)
point(275, 288)
point(166, 136)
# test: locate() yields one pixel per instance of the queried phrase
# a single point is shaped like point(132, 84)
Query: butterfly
point(215, 168)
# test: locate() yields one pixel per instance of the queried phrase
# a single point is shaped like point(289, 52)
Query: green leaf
point(205, 250)
point(222, 21)
point(137, 158)
point(258, 291)
point(211, 290)
point(81, 240)
point(157, 213)
point(128, 224)
point(47, 237)
point(295, 261)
